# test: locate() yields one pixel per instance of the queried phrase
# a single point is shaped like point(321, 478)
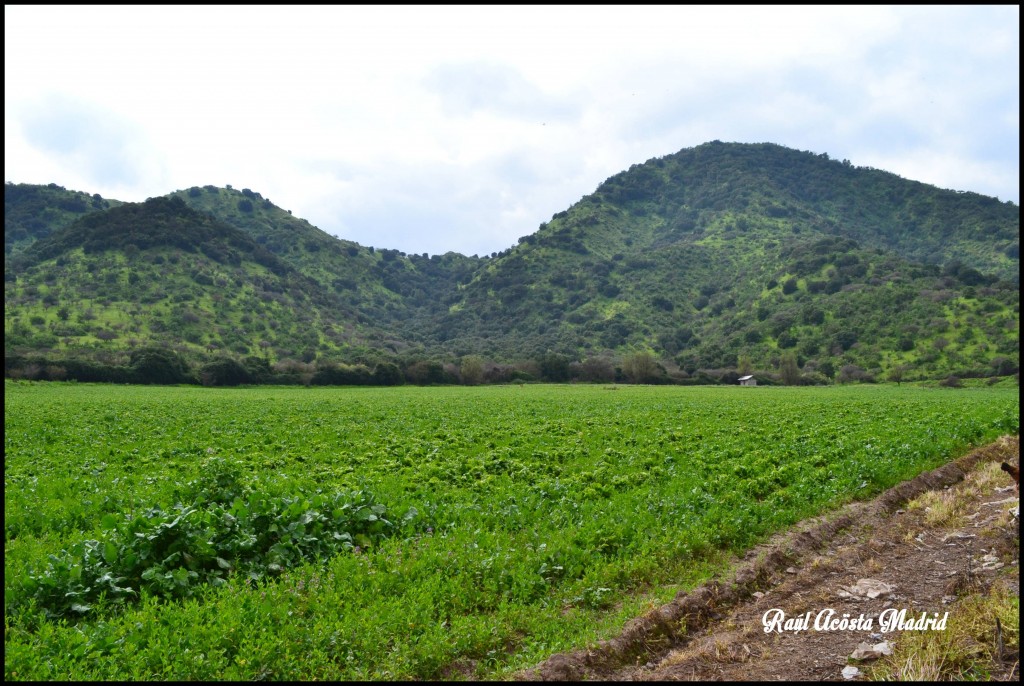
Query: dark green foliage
point(32, 212)
point(388, 374)
point(257, 369)
point(789, 371)
point(158, 222)
point(93, 371)
point(159, 366)
point(554, 367)
point(662, 303)
point(224, 371)
point(228, 528)
point(336, 374)
point(428, 373)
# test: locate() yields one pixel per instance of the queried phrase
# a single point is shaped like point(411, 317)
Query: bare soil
point(716, 631)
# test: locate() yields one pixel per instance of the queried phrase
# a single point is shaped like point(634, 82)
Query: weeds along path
point(944, 541)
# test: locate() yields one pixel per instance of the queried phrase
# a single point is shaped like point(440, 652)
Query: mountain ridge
point(725, 255)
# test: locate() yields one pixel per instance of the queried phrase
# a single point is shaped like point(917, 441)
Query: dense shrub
point(160, 366)
point(229, 528)
point(224, 371)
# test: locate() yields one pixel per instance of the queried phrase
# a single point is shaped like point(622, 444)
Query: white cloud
point(462, 128)
point(62, 134)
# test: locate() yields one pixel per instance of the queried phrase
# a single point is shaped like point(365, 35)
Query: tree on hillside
point(597, 369)
point(554, 367)
point(224, 371)
point(424, 372)
point(850, 373)
point(744, 366)
point(388, 374)
point(789, 369)
point(642, 367)
point(896, 373)
point(471, 370)
point(160, 366)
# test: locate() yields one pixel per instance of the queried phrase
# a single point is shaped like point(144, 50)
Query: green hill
point(160, 272)
point(386, 285)
point(724, 252)
point(716, 260)
point(32, 212)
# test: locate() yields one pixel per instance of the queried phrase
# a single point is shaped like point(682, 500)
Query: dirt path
point(957, 538)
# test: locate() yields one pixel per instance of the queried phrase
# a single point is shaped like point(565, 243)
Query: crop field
point(413, 533)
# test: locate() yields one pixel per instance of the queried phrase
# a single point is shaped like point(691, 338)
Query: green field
point(413, 533)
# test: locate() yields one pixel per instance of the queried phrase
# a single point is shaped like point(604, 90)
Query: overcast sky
point(431, 129)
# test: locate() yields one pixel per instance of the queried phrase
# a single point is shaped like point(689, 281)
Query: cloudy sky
point(431, 129)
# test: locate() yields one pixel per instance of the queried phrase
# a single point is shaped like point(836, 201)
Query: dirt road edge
point(673, 624)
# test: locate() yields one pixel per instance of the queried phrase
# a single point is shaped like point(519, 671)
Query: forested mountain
point(728, 251)
point(716, 260)
point(374, 282)
point(160, 271)
point(34, 212)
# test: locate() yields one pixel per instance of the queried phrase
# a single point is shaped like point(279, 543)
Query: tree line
point(166, 366)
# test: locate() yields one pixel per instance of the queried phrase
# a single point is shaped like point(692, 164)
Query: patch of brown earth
point(717, 631)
